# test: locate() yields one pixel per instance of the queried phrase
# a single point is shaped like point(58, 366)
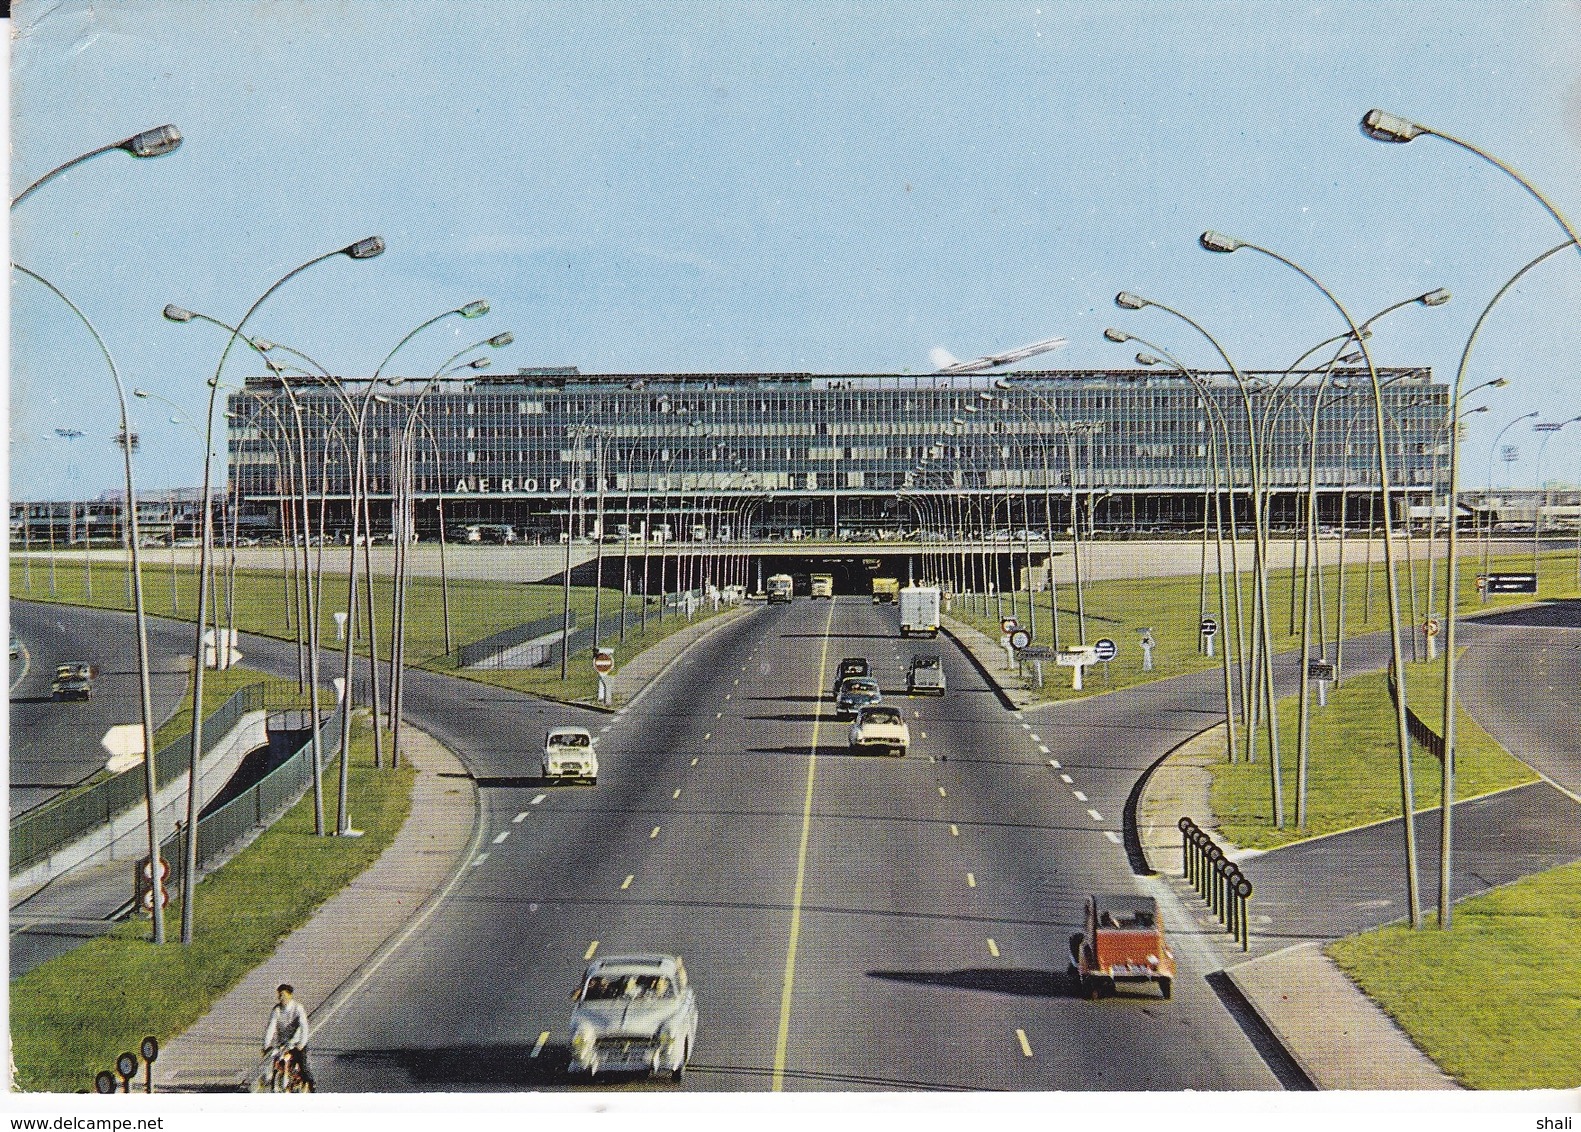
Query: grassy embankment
point(71, 1016)
point(478, 609)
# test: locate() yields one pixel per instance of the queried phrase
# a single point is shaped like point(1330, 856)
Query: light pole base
point(348, 833)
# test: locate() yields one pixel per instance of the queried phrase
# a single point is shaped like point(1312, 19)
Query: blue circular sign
point(1105, 649)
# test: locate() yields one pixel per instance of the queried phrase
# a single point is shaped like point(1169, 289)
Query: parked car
point(73, 681)
point(880, 727)
point(925, 677)
point(1123, 940)
point(850, 666)
point(634, 1013)
point(856, 692)
point(569, 752)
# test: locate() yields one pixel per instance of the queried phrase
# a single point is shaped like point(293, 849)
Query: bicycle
point(285, 1074)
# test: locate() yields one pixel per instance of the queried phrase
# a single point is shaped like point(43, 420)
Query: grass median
point(72, 1016)
point(1353, 774)
point(1172, 608)
point(1495, 1001)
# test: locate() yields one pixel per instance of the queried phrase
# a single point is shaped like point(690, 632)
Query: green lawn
point(71, 1016)
point(478, 609)
point(1496, 1000)
point(1171, 607)
point(1354, 766)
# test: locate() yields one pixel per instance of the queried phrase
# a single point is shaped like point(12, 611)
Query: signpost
point(1524, 583)
point(1147, 649)
point(1430, 628)
point(1207, 629)
point(1076, 658)
point(124, 741)
point(1105, 650)
point(604, 664)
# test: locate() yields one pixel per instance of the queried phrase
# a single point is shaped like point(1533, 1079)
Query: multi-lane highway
point(849, 922)
point(54, 745)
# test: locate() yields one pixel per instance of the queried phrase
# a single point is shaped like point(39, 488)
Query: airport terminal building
point(814, 456)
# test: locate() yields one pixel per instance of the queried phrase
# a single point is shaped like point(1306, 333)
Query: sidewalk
point(1338, 1036)
point(327, 957)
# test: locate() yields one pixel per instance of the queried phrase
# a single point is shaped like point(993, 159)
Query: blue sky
point(757, 187)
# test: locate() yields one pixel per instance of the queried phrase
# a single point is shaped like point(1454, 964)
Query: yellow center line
point(694, 762)
point(625, 884)
point(953, 831)
point(592, 947)
point(993, 949)
point(971, 881)
point(942, 794)
point(777, 1084)
point(1026, 1046)
point(654, 834)
point(677, 793)
point(538, 1048)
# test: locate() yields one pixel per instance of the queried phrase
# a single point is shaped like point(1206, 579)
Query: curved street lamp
point(362, 249)
point(150, 143)
point(1218, 242)
point(139, 613)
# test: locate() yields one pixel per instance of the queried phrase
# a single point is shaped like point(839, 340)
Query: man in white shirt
point(288, 1029)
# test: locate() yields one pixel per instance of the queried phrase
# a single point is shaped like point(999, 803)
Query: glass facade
point(1127, 450)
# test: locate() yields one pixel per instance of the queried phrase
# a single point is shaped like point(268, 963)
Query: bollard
point(1217, 879)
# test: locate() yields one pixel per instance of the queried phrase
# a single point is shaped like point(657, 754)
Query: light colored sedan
point(634, 1013)
point(569, 752)
point(880, 727)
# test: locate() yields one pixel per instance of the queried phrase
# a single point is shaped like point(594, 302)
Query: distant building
point(876, 455)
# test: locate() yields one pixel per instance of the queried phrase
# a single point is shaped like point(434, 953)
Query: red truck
point(1123, 940)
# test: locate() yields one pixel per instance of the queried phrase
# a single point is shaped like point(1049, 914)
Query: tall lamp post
point(362, 249)
point(150, 143)
point(134, 541)
point(1219, 243)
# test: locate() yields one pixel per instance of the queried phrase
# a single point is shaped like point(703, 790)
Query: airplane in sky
point(948, 363)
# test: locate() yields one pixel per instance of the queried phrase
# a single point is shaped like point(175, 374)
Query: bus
point(779, 588)
point(822, 585)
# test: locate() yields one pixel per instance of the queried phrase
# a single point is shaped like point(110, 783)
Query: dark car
point(856, 692)
point(850, 666)
point(73, 681)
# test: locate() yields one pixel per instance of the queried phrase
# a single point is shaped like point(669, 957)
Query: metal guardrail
point(479, 654)
point(36, 834)
point(1217, 879)
point(1429, 740)
point(261, 804)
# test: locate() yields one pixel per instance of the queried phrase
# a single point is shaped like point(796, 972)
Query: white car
point(880, 727)
point(568, 752)
point(634, 1013)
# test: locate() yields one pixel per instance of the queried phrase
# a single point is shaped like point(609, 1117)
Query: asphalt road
point(55, 745)
point(850, 923)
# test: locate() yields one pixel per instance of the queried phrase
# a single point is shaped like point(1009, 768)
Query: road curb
point(346, 940)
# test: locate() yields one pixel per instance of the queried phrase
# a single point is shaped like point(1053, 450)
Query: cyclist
point(288, 1030)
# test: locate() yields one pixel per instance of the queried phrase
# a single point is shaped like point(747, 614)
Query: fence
point(261, 804)
point(491, 651)
point(59, 822)
point(1217, 879)
point(1431, 741)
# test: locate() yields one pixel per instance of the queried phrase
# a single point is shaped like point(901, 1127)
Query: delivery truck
point(919, 611)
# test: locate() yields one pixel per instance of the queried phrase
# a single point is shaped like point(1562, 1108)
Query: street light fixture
point(139, 613)
point(362, 249)
point(150, 143)
point(1218, 242)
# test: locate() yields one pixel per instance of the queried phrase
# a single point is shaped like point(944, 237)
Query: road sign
point(1512, 583)
point(1075, 656)
point(1320, 670)
point(1020, 639)
point(1430, 626)
point(1208, 627)
point(1009, 625)
point(604, 661)
point(1038, 652)
point(1105, 649)
point(1482, 581)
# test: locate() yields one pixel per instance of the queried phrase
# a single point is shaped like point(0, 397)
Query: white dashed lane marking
point(519, 818)
point(503, 834)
